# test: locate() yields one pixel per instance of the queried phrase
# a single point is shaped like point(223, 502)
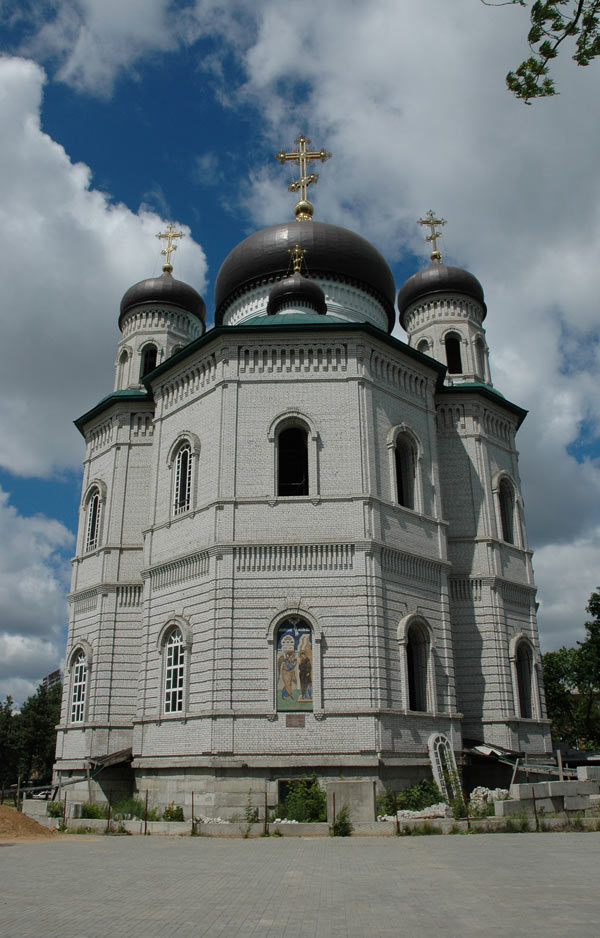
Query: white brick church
point(301, 543)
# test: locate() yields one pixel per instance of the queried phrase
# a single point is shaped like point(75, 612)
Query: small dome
point(164, 289)
point(296, 291)
point(438, 278)
point(331, 252)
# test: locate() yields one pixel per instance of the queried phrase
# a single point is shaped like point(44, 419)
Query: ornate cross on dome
point(297, 254)
point(431, 221)
point(170, 233)
point(303, 156)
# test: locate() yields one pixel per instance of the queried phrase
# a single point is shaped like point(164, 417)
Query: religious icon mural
point(294, 665)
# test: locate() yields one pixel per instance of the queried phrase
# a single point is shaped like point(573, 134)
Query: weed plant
point(342, 825)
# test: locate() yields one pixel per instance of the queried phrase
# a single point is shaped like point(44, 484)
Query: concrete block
point(359, 796)
point(577, 802)
point(586, 788)
point(588, 772)
point(560, 788)
point(524, 791)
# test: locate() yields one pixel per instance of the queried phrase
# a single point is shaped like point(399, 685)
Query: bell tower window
point(405, 472)
point(148, 364)
point(292, 462)
point(92, 535)
point(453, 356)
point(507, 511)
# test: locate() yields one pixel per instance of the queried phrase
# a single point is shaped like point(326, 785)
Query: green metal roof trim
point(115, 398)
point(314, 327)
point(485, 390)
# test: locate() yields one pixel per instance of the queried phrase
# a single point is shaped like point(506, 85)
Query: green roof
point(131, 394)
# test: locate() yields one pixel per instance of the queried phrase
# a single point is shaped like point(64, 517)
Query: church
point(301, 543)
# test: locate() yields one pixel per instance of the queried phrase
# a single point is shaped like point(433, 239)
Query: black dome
point(438, 278)
point(296, 290)
point(331, 252)
point(164, 289)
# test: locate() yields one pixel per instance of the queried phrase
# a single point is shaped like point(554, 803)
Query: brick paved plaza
point(509, 885)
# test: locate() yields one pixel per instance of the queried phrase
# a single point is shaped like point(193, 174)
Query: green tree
point(572, 684)
point(552, 23)
point(9, 747)
point(37, 733)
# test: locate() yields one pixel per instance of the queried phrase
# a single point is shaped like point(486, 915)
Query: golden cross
point(170, 233)
point(431, 221)
point(297, 253)
point(303, 156)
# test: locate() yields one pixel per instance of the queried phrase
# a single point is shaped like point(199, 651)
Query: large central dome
point(332, 253)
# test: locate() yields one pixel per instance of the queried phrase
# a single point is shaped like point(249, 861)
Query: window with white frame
point(79, 676)
point(92, 533)
point(182, 489)
point(174, 672)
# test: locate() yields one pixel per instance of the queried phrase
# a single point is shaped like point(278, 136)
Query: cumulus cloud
point(34, 572)
point(72, 254)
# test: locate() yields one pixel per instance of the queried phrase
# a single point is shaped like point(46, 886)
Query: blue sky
point(119, 117)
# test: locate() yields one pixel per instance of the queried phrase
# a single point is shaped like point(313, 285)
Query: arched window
point(92, 531)
point(417, 658)
point(292, 461)
point(123, 359)
point(405, 461)
point(453, 356)
point(148, 363)
point(182, 487)
point(480, 358)
point(294, 665)
point(524, 665)
point(423, 346)
point(79, 673)
point(506, 498)
point(174, 672)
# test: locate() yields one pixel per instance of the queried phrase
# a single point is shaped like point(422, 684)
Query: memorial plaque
point(294, 719)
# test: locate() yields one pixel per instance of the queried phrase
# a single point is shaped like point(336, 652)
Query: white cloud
point(34, 573)
point(72, 254)
point(93, 42)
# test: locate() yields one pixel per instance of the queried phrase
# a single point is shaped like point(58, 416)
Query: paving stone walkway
point(510, 886)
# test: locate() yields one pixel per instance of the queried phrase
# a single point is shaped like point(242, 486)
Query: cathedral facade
point(301, 545)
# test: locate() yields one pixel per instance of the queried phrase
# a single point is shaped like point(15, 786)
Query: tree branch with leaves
point(553, 23)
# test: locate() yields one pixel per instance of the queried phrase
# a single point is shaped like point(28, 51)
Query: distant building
point(55, 677)
point(301, 543)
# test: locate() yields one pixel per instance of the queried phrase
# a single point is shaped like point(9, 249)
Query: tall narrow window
point(183, 480)
point(78, 688)
point(507, 511)
point(148, 364)
point(292, 462)
point(525, 679)
point(92, 534)
point(417, 653)
point(123, 359)
point(294, 665)
point(404, 455)
point(480, 358)
point(174, 672)
point(453, 357)
point(423, 347)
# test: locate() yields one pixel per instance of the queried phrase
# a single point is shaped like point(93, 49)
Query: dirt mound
point(17, 826)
